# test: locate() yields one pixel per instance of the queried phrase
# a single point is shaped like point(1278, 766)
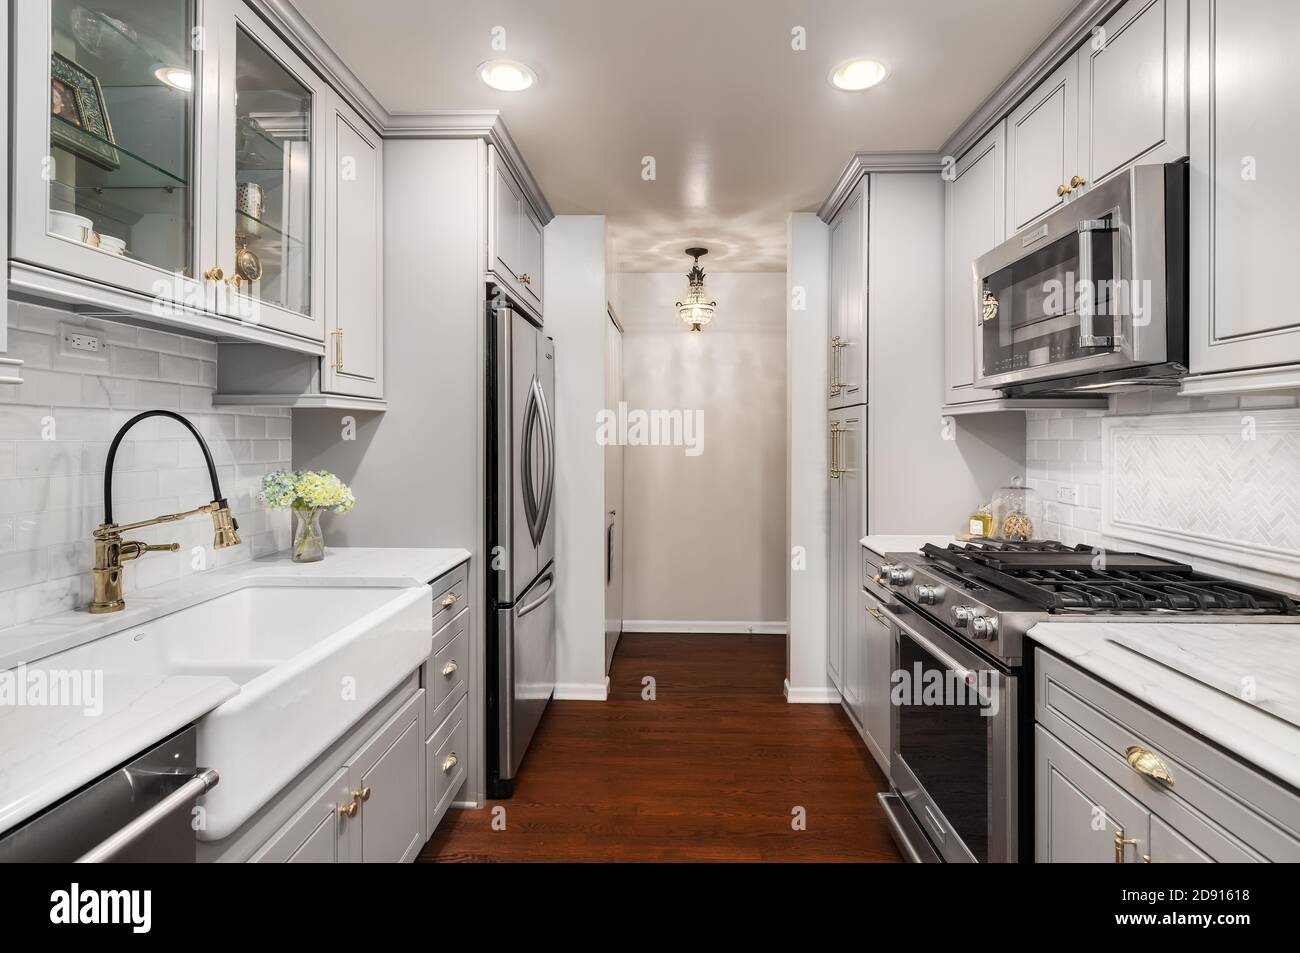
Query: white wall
point(575, 317)
point(808, 259)
point(54, 434)
point(705, 536)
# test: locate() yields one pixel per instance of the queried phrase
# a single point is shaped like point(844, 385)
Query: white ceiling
point(743, 129)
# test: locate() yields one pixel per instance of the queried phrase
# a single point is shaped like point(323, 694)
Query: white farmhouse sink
point(310, 662)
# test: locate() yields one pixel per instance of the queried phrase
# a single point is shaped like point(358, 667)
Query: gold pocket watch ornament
point(247, 264)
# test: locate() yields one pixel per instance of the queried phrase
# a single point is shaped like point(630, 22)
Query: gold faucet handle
point(133, 549)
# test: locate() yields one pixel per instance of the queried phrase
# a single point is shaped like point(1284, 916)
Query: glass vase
point(308, 543)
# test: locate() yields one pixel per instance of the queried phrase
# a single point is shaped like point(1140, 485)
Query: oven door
point(1083, 291)
point(953, 757)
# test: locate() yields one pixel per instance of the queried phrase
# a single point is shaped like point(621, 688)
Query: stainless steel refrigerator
point(521, 538)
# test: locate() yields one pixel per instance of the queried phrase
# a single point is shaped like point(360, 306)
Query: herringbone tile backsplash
point(1185, 483)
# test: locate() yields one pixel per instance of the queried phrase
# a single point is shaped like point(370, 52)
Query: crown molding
point(450, 123)
point(1065, 37)
point(864, 162)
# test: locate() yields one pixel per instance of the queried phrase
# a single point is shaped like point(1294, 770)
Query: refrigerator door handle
point(527, 488)
point(549, 578)
point(548, 454)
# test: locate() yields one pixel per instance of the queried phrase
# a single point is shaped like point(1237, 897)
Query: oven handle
point(969, 676)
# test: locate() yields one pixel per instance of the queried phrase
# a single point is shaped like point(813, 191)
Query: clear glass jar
point(1017, 512)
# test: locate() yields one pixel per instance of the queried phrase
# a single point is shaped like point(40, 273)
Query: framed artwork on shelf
point(78, 117)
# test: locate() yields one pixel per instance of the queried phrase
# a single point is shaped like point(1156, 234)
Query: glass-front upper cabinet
point(271, 234)
point(114, 105)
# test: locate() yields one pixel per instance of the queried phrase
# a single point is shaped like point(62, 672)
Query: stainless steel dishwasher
point(142, 812)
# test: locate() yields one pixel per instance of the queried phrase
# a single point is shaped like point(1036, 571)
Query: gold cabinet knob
point(348, 810)
point(1077, 181)
point(214, 274)
point(449, 600)
point(450, 762)
point(449, 669)
point(362, 795)
point(526, 279)
point(1146, 762)
point(235, 281)
point(1062, 190)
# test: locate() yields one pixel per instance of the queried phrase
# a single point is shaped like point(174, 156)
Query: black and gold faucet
point(111, 550)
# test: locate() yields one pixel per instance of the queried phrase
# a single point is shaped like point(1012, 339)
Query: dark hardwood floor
point(709, 771)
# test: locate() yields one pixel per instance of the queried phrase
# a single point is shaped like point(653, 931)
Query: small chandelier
point(697, 310)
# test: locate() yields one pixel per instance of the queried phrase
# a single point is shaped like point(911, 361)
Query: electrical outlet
point(1069, 494)
point(76, 341)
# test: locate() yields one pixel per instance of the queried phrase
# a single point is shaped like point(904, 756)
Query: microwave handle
point(1088, 302)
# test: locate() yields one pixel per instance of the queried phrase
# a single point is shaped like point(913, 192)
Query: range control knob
point(984, 627)
point(961, 615)
point(929, 595)
point(899, 575)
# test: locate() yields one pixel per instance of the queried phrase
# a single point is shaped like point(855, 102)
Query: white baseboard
point(811, 696)
point(582, 691)
point(704, 627)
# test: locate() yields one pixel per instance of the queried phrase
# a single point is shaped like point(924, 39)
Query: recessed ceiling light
point(854, 75)
point(506, 75)
point(175, 77)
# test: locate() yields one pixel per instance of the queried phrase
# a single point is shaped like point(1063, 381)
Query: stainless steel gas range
point(960, 719)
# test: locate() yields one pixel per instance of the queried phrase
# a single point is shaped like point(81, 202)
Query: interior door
point(613, 496)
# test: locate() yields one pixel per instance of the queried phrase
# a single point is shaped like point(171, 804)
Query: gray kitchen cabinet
point(354, 255)
point(855, 668)
point(1081, 817)
point(197, 200)
point(976, 210)
point(387, 779)
point(847, 488)
point(446, 763)
point(847, 347)
point(1244, 192)
point(877, 636)
point(1133, 90)
point(1042, 148)
point(1210, 805)
point(319, 833)
point(515, 254)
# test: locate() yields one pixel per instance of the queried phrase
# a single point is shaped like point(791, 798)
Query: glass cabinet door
point(272, 236)
point(107, 107)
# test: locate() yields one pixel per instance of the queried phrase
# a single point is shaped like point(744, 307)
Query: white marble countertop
point(1195, 673)
point(881, 544)
point(48, 751)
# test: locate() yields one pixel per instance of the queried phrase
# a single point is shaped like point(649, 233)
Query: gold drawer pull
point(1147, 762)
point(362, 795)
point(450, 762)
point(214, 274)
point(449, 600)
point(449, 669)
point(348, 810)
point(1120, 843)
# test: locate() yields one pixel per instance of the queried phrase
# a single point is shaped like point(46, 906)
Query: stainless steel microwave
point(1093, 297)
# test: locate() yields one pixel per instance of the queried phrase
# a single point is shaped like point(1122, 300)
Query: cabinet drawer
point(446, 754)
point(445, 671)
point(450, 595)
point(1228, 809)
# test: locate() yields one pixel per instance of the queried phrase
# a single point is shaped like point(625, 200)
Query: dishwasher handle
point(204, 781)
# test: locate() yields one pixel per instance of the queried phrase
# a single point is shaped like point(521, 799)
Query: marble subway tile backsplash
point(1064, 447)
point(55, 431)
